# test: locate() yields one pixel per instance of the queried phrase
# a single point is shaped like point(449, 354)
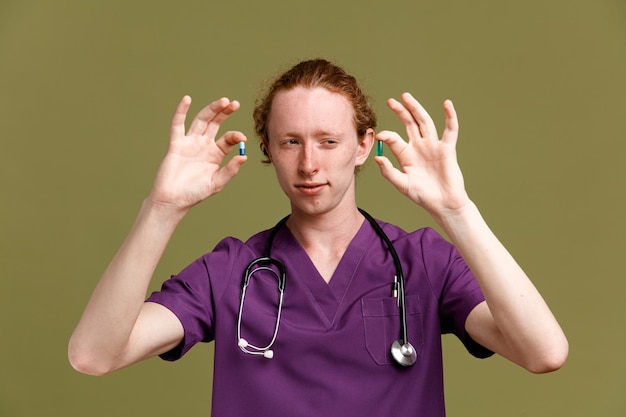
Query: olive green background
point(87, 90)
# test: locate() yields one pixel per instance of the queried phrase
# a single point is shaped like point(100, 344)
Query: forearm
point(527, 331)
point(105, 328)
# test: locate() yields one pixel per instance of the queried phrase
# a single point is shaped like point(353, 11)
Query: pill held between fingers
point(379, 148)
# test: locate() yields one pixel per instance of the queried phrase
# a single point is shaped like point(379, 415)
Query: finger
point(228, 172)
point(392, 174)
point(393, 140)
point(421, 116)
point(200, 123)
point(214, 125)
point(451, 132)
point(407, 119)
point(177, 128)
point(230, 139)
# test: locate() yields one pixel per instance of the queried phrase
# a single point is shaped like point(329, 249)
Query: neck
point(325, 237)
point(334, 229)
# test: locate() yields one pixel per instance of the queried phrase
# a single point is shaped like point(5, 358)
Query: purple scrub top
point(332, 353)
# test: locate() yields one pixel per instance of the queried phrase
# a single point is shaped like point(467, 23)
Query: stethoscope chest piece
point(403, 353)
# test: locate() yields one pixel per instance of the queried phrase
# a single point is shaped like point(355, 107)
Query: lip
point(311, 188)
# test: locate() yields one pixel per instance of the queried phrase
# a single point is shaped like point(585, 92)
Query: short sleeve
point(456, 287)
point(191, 295)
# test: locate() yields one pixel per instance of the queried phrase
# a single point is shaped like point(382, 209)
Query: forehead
point(301, 109)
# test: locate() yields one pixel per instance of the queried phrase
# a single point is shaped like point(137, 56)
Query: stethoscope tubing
point(402, 351)
point(281, 289)
point(399, 274)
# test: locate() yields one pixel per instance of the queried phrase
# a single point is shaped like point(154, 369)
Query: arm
point(514, 321)
point(117, 328)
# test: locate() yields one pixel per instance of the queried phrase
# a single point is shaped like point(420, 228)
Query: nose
point(309, 161)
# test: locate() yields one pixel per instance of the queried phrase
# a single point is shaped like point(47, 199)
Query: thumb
point(228, 172)
point(390, 173)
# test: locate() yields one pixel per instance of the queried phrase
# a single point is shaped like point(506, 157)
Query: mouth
point(311, 188)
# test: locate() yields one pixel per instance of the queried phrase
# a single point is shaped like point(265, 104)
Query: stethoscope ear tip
point(243, 345)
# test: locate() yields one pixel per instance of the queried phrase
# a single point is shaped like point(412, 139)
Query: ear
point(365, 146)
point(266, 150)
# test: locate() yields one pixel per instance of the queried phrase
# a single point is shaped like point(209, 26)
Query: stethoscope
point(402, 351)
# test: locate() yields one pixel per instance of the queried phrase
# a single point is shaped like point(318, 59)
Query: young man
point(328, 344)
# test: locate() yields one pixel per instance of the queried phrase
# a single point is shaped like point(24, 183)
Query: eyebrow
point(316, 134)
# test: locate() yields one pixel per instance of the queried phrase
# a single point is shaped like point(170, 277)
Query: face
point(314, 147)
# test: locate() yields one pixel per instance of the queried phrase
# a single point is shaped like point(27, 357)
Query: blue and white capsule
point(242, 148)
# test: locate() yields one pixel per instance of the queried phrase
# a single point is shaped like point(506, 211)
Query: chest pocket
point(381, 320)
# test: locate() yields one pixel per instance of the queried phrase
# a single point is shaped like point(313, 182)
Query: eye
point(330, 142)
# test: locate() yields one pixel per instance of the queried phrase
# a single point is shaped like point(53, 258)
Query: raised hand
point(192, 169)
point(429, 173)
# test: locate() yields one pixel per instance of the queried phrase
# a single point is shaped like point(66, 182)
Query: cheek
point(282, 170)
point(348, 161)
point(280, 160)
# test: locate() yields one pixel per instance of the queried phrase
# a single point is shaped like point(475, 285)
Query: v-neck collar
point(328, 296)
